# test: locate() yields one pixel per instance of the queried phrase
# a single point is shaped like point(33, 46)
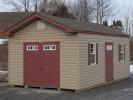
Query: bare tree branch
point(128, 22)
point(49, 6)
point(22, 5)
point(103, 10)
point(15, 5)
point(81, 9)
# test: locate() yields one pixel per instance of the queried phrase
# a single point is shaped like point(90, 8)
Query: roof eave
point(106, 34)
point(32, 18)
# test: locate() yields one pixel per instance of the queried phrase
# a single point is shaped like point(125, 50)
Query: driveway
point(122, 90)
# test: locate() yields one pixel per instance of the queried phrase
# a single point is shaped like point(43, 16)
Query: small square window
point(32, 47)
point(49, 47)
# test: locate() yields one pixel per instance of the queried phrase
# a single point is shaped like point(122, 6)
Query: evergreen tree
point(105, 23)
point(119, 23)
point(63, 11)
point(114, 23)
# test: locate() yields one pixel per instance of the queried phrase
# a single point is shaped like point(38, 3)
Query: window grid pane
point(32, 47)
point(121, 52)
point(49, 47)
point(93, 54)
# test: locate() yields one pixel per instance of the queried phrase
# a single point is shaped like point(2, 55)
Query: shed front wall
point(37, 32)
point(93, 75)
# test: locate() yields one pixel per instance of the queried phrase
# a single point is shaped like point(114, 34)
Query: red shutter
point(96, 53)
point(89, 62)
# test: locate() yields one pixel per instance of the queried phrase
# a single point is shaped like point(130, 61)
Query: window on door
point(32, 47)
point(49, 47)
point(92, 53)
point(121, 52)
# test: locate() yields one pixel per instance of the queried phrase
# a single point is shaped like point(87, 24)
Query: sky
point(120, 8)
point(120, 4)
point(123, 5)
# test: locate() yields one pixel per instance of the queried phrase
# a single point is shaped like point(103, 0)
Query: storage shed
point(53, 52)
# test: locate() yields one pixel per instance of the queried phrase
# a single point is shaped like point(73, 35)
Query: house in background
point(52, 52)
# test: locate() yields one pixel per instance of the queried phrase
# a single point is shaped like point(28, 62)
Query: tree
point(35, 4)
point(50, 6)
point(119, 23)
point(105, 23)
point(21, 5)
point(62, 11)
point(114, 23)
point(47, 6)
point(81, 10)
point(103, 10)
point(42, 5)
point(127, 23)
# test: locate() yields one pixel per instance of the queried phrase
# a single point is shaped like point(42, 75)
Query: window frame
point(93, 53)
point(44, 49)
point(32, 47)
point(121, 51)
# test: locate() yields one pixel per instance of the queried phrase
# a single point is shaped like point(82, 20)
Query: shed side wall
point(92, 75)
point(37, 33)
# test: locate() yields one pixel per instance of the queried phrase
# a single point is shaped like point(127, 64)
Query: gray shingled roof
point(8, 19)
point(84, 26)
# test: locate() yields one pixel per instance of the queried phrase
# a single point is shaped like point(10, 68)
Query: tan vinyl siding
point(92, 75)
point(75, 73)
point(68, 53)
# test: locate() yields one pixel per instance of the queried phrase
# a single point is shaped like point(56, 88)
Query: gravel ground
point(122, 90)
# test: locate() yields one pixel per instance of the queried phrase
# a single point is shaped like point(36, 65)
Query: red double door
point(42, 64)
point(109, 62)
